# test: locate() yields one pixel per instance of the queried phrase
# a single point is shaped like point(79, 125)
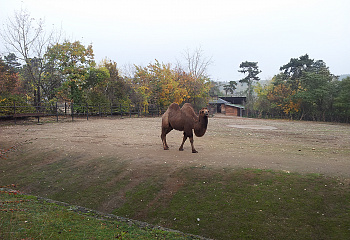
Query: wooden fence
point(72, 110)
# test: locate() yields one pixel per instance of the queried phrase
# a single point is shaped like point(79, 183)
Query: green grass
point(62, 179)
point(250, 204)
point(214, 203)
point(26, 217)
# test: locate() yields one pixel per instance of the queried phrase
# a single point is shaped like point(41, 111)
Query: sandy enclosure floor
point(229, 142)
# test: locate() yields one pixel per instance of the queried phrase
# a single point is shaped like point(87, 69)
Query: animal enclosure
point(60, 110)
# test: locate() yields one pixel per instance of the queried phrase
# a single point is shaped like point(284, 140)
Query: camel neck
point(201, 126)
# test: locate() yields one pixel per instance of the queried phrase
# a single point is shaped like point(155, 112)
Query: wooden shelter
point(232, 106)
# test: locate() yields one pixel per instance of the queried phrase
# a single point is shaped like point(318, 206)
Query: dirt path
point(229, 143)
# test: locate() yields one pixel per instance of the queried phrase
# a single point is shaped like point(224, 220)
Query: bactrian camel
point(186, 120)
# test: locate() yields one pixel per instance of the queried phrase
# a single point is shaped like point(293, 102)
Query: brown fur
point(186, 120)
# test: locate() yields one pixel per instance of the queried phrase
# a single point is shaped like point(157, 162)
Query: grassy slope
point(244, 204)
point(27, 217)
point(220, 204)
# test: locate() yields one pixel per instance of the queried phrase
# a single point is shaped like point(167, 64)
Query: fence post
point(111, 109)
point(56, 112)
point(87, 112)
point(121, 111)
point(72, 110)
point(14, 111)
point(38, 110)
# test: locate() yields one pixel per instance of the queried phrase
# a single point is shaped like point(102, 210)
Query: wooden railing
point(72, 110)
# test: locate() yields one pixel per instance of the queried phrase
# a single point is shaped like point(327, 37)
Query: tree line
point(41, 68)
point(305, 89)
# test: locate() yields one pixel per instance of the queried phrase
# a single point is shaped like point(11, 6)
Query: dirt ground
point(230, 142)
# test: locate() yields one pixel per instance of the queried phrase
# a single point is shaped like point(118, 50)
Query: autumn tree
point(118, 90)
point(311, 85)
point(197, 89)
point(27, 37)
point(95, 86)
point(262, 105)
point(164, 85)
point(10, 87)
point(9, 80)
point(71, 61)
point(157, 84)
point(283, 98)
point(160, 84)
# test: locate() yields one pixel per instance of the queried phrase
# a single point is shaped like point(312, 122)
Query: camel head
point(204, 112)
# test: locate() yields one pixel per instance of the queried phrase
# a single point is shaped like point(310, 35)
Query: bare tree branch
point(197, 64)
point(26, 37)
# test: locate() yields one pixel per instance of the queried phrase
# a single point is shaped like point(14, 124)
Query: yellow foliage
point(283, 97)
point(163, 84)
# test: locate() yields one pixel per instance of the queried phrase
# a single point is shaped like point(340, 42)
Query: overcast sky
point(269, 32)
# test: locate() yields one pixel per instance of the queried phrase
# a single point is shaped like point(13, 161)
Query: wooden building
point(231, 106)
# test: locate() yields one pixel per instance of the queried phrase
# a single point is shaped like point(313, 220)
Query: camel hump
point(187, 105)
point(188, 110)
point(174, 107)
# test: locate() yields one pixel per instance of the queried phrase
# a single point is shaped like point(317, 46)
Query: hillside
point(341, 77)
point(240, 88)
point(29, 217)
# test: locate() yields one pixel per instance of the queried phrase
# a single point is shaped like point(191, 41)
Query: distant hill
point(341, 77)
point(240, 88)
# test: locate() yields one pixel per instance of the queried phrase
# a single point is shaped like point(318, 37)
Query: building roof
point(235, 105)
point(234, 100)
point(218, 101)
point(222, 101)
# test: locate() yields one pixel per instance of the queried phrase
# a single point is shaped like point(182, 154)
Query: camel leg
point(191, 141)
point(165, 131)
point(183, 142)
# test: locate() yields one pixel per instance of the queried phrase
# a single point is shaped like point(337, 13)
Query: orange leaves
point(166, 85)
point(13, 192)
point(158, 84)
point(284, 98)
point(9, 81)
point(4, 152)
point(10, 205)
point(9, 186)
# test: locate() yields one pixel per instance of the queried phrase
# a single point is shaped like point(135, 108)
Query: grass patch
point(26, 217)
point(70, 178)
point(138, 198)
point(250, 204)
point(220, 204)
